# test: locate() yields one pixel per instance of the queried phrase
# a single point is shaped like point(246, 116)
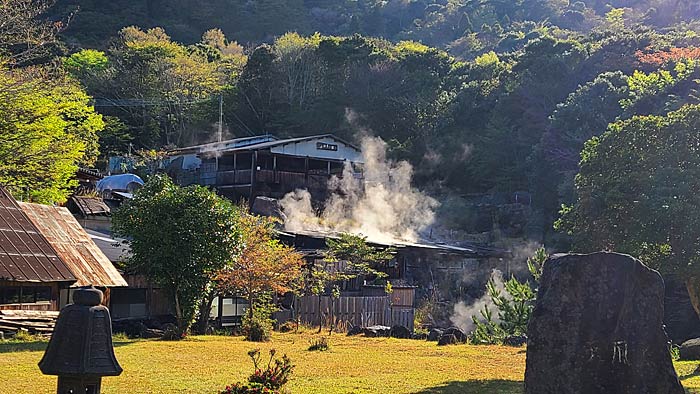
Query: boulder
point(376, 331)
point(435, 334)
point(422, 336)
point(354, 330)
point(597, 328)
point(690, 350)
point(151, 333)
point(399, 331)
point(515, 340)
point(460, 335)
point(447, 339)
point(266, 206)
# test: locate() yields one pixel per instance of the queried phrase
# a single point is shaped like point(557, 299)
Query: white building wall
point(312, 149)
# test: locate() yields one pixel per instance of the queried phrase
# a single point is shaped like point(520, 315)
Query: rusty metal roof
point(74, 246)
point(25, 254)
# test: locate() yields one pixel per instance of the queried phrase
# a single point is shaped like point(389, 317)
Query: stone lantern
point(80, 351)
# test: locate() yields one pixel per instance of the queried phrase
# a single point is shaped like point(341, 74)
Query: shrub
point(321, 344)
point(288, 326)
point(248, 388)
point(273, 376)
point(269, 380)
point(258, 328)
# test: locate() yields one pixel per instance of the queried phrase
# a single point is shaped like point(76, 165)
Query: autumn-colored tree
point(265, 264)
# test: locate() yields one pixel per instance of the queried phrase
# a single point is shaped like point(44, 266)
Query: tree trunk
point(320, 319)
point(204, 311)
point(250, 306)
point(332, 314)
point(181, 326)
point(693, 285)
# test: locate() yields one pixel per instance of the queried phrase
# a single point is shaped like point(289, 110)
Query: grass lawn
point(352, 365)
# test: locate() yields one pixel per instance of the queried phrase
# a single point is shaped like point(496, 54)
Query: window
point(24, 294)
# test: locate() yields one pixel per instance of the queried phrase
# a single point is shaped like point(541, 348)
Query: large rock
point(435, 334)
point(690, 350)
point(401, 332)
point(376, 331)
point(597, 329)
point(447, 339)
point(460, 335)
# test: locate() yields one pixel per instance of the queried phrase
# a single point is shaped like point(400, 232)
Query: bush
point(269, 380)
point(248, 388)
point(321, 344)
point(258, 328)
point(288, 326)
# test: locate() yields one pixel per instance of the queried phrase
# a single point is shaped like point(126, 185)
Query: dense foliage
point(505, 108)
point(47, 125)
point(180, 238)
point(637, 191)
point(462, 25)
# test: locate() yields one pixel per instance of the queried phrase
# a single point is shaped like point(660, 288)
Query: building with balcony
point(265, 165)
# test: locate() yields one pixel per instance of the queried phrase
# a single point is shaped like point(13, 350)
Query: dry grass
point(352, 365)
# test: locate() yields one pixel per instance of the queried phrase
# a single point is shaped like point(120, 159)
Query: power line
point(112, 102)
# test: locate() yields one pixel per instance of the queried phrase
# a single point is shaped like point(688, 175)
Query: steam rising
point(462, 313)
point(384, 208)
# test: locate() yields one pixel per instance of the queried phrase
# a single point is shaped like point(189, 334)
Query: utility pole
point(221, 116)
point(221, 126)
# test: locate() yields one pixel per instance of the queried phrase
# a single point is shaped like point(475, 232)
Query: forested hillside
point(481, 96)
point(460, 25)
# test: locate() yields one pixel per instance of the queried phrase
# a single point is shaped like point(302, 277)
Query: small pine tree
point(514, 306)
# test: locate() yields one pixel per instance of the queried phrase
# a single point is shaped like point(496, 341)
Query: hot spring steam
point(384, 208)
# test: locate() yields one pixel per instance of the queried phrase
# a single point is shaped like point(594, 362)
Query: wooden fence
point(358, 311)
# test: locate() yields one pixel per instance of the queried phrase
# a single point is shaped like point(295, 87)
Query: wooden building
point(265, 166)
point(32, 274)
point(414, 272)
point(43, 254)
point(76, 249)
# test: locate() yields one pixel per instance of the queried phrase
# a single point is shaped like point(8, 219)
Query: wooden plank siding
point(358, 311)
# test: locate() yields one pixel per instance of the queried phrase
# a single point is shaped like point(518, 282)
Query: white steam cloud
point(463, 312)
point(384, 206)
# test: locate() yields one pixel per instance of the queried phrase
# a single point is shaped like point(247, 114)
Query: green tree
point(180, 238)
point(637, 194)
point(47, 129)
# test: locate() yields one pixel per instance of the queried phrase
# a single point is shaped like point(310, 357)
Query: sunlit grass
point(352, 365)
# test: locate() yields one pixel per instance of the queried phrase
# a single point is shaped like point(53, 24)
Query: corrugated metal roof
point(472, 250)
point(115, 249)
point(25, 254)
point(74, 246)
point(90, 206)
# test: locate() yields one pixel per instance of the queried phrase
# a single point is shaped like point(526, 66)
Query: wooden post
point(254, 162)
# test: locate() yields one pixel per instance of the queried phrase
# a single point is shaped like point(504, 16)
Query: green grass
point(352, 365)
